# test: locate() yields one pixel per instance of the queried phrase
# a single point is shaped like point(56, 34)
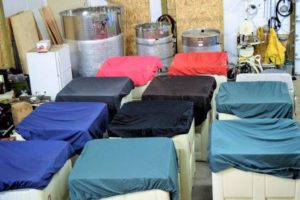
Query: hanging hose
point(274, 22)
point(170, 20)
point(288, 12)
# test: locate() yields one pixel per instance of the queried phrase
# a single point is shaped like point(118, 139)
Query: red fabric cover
point(196, 63)
point(140, 69)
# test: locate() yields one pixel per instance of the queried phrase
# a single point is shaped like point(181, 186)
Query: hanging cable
point(284, 10)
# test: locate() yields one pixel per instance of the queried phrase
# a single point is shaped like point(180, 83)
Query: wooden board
point(196, 14)
point(6, 52)
point(51, 25)
point(25, 34)
point(134, 13)
point(58, 6)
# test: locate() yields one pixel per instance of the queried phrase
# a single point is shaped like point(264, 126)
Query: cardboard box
point(20, 110)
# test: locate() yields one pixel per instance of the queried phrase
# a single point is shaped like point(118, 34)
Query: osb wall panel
point(6, 52)
point(134, 13)
point(197, 14)
point(171, 8)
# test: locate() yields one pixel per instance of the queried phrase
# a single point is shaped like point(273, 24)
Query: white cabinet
point(49, 72)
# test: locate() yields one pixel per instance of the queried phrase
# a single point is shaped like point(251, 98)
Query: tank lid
point(201, 33)
point(153, 26)
point(86, 11)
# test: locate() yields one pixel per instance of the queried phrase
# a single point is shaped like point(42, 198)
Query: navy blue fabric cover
point(110, 167)
point(73, 122)
point(255, 99)
point(109, 90)
point(268, 146)
point(197, 89)
point(31, 164)
point(157, 118)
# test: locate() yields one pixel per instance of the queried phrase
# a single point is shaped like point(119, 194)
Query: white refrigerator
point(49, 72)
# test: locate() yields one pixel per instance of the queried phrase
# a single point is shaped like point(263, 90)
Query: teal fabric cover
point(268, 146)
point(110, 167)
point(255, 100)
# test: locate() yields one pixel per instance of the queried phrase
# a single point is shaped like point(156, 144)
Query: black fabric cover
point(152, 119)
point(93, 89)
point(198, 89)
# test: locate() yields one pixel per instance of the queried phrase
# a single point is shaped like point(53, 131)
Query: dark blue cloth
point(31, 164)
point(268, 146)
point(110, 167)
point(156, 118)
point(73, 122)
point(109, 90)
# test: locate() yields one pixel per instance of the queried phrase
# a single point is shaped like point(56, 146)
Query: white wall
point(96, 2)
point(155, 9)
point(234, 14)
point(12, 7)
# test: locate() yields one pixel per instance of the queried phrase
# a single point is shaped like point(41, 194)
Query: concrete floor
point(202, 189)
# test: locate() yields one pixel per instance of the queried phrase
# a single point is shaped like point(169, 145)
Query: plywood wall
point(196, 14)
point(134, 12)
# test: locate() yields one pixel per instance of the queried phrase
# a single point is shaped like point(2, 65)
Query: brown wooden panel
point(25, 34)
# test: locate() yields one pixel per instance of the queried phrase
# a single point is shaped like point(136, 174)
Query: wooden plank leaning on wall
point(25, 34)
point(6, 51)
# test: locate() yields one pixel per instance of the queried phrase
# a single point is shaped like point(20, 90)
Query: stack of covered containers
point(254, 151)
point(208, 64)
point(161, 118)
point(153, 175)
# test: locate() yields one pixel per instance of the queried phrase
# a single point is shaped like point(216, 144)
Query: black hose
point(274, 22)
point(170, 20)
point(282, 14)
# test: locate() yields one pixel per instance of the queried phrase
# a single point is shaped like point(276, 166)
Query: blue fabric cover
point(73, 122)
point(255, 100)
point(268, 146)
point(112, 167)
point(31, 164)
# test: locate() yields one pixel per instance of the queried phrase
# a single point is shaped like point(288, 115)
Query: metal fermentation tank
point(197, 40)
point(93, 34)
point(155, 39)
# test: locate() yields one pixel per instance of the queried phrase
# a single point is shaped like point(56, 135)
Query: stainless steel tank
point(199, 40)
point(155, 39)
point(94, 34)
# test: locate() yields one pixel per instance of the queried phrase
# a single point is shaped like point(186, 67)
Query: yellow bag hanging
point(275, 52)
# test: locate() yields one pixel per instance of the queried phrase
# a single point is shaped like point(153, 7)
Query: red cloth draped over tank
point(140, 69)
point(194, 63)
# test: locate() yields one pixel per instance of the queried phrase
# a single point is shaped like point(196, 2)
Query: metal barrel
point(155, 39)
point(94, 34)
point(197, 40)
